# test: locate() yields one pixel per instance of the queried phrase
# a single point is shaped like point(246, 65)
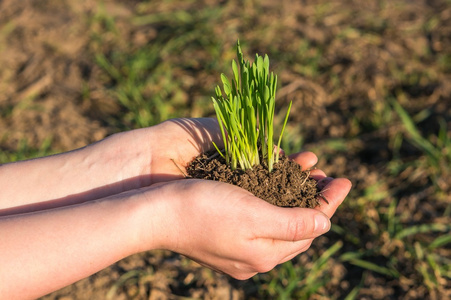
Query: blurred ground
point(73, 72)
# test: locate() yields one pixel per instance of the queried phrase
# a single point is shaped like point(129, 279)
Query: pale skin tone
point(65, 217)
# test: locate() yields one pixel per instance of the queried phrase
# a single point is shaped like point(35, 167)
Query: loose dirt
point(286, 186)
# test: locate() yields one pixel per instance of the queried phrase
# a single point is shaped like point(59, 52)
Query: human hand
point(179, 142)
point(227, 229)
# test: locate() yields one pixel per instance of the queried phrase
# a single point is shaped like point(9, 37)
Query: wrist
point(154, 217)
point(122, 161)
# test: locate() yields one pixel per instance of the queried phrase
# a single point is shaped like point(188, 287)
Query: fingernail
point(322, 224)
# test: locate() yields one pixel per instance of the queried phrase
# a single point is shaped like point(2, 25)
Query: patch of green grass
point(394, 227)
point(294, 281)
point(360, 62)
point(373, 235)
point(150, 82)
point(436, 149)
point(129, 281)
point(24, 151)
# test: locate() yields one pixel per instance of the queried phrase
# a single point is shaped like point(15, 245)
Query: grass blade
point(422, 229)
point(415, 134)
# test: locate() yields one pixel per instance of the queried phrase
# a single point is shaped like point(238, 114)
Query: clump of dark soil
point(286, 186)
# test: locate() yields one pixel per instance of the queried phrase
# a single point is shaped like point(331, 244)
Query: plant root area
point(287, 185)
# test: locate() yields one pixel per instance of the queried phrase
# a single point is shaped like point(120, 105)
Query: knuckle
point(244, 276)
point(265, 265)
point(296, 229)
point(265, 268)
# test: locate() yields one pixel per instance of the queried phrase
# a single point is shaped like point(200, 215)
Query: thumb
point(290, 224)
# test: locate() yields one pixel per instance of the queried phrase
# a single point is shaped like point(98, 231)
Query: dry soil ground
point(353, 54)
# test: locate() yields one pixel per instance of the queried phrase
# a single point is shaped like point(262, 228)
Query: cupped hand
point(229, 230)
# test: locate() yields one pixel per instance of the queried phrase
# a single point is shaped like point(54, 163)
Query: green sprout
point(245, 112)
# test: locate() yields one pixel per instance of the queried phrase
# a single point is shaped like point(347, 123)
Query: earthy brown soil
point(286, 186)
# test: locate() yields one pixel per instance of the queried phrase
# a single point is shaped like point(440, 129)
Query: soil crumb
point(286, 186)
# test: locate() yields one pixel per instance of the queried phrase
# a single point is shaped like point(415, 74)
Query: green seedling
point(245, 111)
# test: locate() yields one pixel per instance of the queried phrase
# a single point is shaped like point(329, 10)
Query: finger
point(281, 152)
point(317, 174)
point(321, 184)
point(334, 192)
point(289, 224)
point(306, 159)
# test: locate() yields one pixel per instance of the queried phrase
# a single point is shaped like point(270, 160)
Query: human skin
point(67, 216)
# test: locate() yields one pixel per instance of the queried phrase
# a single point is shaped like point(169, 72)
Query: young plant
point(245, 111)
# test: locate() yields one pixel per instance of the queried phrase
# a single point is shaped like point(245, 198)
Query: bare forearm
point(113, 165)
point(122, 162)
point(41, 252)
